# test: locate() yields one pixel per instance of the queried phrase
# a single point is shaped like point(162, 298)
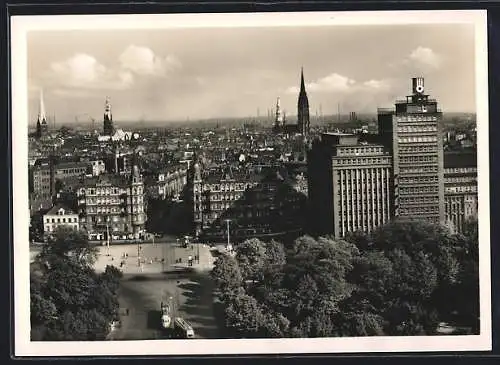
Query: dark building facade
point(45, 176)
point(250, 202)
point(460, 187)
point(349, 185)
point(412, 132)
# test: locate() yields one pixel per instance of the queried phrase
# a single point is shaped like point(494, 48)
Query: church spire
point(302, 83)
point(303, 107)
point(108, 118)
point(279, 117)
point(41, 111)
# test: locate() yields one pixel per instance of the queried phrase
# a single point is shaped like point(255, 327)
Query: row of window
point(460, 170)
point(419, 200)
point(418, 190)
point(361, 161)
point(417, 118)
point(99, 210)
point(466, 199)
point(108, 191)
point(74, 171)
point(461, 189)
point(61, 220)
point(417, 159)
point(460, 179)
point(360, 150)
point(415, 129)
point(418, 179)
point(417, 170)
point(98, 201)
point(418, 149)
point(417, 139)
point(419, 210)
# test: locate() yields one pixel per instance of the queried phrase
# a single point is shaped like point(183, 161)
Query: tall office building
point(349, 185)
point(412, 132)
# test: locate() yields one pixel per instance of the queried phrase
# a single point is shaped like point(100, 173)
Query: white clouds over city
point(426, 57)
point(200, 73)
point(143, 61)
point(83, 72)
point(341, 84)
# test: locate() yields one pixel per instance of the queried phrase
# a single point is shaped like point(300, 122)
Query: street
point(143, 294)
point(147, 281)
point(144, 286)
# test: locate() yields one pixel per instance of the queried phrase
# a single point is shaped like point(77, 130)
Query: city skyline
point(155, 199)
point(153, 75)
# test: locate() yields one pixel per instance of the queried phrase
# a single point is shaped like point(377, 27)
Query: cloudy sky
point(175, 74)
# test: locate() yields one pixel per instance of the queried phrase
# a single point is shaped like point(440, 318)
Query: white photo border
point(21, 25)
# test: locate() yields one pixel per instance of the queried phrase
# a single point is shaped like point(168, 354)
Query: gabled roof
point(59, 207)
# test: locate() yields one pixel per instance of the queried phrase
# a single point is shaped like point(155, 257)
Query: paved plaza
point(150, 258)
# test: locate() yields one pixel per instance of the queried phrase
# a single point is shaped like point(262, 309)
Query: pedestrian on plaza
point(127, 311)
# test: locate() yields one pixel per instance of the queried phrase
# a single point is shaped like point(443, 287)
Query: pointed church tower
point(41, 123)
point(303, 107)
point(108, 119)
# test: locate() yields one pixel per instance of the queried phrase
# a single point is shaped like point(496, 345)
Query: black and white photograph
point(250, 183)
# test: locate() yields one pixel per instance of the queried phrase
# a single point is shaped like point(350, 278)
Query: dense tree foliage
point(402, 279)
point(69, 300)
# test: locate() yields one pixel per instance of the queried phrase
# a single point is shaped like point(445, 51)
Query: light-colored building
point(460, 188)
point(98, 167)
point(60, 216)
point(113, 204)
point(349, 185)
point(172, 181)
point(413, 133)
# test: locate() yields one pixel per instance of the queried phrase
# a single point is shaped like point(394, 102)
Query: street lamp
point(228, 247)
point(107, 234)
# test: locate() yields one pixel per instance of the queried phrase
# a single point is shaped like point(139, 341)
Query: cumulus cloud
point(84, 71)
point(143, 61)
point(425, 56)
point(335, 82)
point(377, 84)
point(422, 59)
